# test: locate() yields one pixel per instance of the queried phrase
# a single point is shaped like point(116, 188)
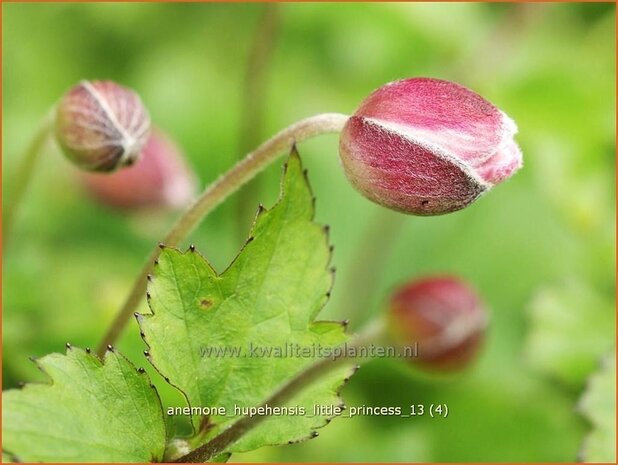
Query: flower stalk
point(26, 171)
point(372, 334)
point(254, 102)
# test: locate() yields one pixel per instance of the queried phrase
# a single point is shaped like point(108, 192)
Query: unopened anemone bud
point(101, 126)
point(160, 178)
point(427, 147)
point(439, 322)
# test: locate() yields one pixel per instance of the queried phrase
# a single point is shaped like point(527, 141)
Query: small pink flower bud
point(159, 178)
point(101, 126)
point(427, 147)
point(443, 318)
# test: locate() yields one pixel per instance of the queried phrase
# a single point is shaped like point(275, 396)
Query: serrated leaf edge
point(101, 363)
point(261, 210)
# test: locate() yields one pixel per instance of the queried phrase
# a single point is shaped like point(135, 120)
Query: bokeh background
point(218, 78)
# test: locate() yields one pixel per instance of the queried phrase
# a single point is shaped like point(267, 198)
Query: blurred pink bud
point(159, 178)
point(441, 316)
point(101, 126)
point(427, 147)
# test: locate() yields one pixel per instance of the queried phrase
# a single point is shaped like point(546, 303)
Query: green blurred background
point(541, 244)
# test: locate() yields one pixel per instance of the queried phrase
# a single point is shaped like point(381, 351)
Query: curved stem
point(217, 192)
point(217, 445)
point(25, 172)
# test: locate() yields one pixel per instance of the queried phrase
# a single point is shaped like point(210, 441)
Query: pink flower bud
point(159, 178)
point(101, 126)
point(443, 318)
point(427, 147)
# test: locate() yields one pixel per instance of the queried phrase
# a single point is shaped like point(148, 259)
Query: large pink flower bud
point(101, 126)
point(427, 147)
point(443, 318)
point(159, 178)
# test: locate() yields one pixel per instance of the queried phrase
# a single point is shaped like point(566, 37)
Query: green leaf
point(572, 326)
point(267, 298)
point(598, 405)
point(90, 412)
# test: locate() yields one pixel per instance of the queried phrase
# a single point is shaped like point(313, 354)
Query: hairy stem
point(216, 193)
point(217, 445)
point(254, 102)
point(24, 174)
